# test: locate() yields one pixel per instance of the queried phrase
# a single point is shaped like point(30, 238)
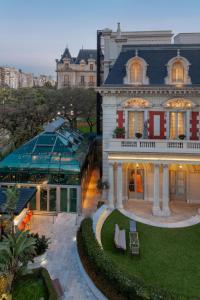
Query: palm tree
point(12, 196)
point(15, 252)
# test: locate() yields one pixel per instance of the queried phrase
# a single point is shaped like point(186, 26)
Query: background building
point(77, 71)
point(14, 78)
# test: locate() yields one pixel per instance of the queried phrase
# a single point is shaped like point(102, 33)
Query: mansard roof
point(66, 54)
point(85, 54)
point(157, 57)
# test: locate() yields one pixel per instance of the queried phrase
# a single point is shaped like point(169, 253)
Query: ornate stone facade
point(77, 71)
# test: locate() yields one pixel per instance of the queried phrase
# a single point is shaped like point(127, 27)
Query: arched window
point(178, 72)
point(136, 69)
point(177, 69)
point(136, 72)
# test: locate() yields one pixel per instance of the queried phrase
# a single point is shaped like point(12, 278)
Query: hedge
point(129, 286)
point(44, 274)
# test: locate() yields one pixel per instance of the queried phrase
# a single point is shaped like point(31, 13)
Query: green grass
point(169, 258)
point(30, 288)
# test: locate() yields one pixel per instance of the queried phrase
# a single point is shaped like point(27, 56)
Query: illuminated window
point(91, 79)
point(136, 72)
point(135, 123)
point(177, 124)
point(179, 103)
point(178, 72)
point(177, 69)
point(136, 69)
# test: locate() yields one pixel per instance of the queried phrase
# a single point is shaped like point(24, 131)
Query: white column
point(111, 186)
point(119, 186)
point(165, 195)
point(156, 197)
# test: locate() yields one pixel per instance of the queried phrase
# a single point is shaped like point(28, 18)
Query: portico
point(158, 183)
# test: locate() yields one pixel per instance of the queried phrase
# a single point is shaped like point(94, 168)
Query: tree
point(16, 250)
point(12, 196)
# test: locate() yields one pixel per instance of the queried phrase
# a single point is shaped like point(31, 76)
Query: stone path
point(60, 259)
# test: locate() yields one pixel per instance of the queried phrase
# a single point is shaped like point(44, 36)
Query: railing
point(167, 146)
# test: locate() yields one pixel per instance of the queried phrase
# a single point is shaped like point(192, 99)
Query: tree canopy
point(24, 111)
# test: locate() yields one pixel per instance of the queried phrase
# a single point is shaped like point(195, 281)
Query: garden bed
point(35, 286)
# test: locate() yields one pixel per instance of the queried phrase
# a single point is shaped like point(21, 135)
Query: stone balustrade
point(156, 146)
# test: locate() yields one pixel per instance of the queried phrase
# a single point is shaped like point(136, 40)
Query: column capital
point(157, 165)
point(165, 166)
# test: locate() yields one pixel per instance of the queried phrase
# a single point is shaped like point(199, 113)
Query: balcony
point(153, 146)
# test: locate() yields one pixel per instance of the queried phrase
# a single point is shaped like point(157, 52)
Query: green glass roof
point(57, 149)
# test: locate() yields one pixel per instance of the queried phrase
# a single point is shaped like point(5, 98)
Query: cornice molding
point(148, 90)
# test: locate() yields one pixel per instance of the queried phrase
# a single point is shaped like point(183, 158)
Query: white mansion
point(151, 128)
point(77, 71)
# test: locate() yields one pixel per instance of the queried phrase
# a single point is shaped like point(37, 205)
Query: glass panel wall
point(32, 203)
point(73, 200)
point(64, 200)
point(52, 199)
point(43, 200)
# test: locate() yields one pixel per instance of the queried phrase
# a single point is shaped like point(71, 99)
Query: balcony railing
point(163, 146)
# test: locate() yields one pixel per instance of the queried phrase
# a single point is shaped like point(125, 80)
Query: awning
point(25, 196)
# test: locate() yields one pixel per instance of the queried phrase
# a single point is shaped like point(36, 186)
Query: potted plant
point(119, 132)
point(138, 135)
point(181, 136)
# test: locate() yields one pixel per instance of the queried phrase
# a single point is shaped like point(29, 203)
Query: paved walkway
point(60, 258)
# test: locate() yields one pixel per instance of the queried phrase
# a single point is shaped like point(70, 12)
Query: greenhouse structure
point(56, 162)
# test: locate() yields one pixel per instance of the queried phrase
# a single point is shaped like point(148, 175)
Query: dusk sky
point(35, 32)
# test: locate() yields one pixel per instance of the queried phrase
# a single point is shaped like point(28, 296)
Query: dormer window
point(178, 72)
point(136, 72)
point(178, 68)
point(91, 67)
point(136, 69)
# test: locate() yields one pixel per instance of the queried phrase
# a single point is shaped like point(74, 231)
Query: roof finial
point(118, 29)
point(178, 52)
point(136, 52)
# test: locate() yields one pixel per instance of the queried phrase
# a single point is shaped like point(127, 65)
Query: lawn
point(30, 288)
point(169, 258)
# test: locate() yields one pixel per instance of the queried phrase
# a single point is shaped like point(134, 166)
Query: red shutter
point(162, 125)
point(120, 118)
point(194, 125)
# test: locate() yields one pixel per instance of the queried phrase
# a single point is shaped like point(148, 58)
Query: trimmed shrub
point(129, 286)
point(48, 282)
point(42, 243)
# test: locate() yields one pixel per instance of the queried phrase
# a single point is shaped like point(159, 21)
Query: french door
point(136, 183)
point(178, 185)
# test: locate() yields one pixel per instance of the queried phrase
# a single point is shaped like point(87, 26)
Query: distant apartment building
point(9, 77)
point(77, 71)
point(44, 80)
point(14, 78)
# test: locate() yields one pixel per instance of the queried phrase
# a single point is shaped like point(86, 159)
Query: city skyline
point(35, 33)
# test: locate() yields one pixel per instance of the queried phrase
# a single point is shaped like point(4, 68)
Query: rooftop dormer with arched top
point(136, 69)
point(178, 71)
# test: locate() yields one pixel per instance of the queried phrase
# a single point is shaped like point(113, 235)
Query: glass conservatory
point(56, 162)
